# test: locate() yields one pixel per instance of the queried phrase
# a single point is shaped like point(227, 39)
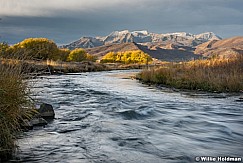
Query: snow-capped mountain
point(207, 36)
point(143, 36)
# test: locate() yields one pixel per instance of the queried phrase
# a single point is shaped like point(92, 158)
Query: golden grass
point(221, 75)
point(14, 106)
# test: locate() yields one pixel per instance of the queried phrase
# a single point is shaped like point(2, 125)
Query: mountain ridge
point(178, 46)
point(143, 36)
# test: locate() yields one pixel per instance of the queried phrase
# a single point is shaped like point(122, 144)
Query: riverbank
point(36, 68)
point(212, 75)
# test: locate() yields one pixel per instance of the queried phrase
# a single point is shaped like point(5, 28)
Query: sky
point(64, 21)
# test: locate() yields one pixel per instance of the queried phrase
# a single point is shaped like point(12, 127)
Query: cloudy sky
point(67, 20)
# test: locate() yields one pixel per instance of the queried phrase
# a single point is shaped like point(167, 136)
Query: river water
point(106, 117)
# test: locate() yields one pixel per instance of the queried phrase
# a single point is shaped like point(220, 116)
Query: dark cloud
point(65, 24)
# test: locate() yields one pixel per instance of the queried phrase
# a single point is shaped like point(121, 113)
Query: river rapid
point(109, 118)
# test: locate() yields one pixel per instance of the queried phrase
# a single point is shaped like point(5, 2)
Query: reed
point(15, 105)
point(220, 75)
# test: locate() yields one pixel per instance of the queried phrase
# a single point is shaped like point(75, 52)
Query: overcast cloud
point(65, 21)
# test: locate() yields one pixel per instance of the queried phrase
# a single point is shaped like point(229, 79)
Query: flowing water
point(104, 117)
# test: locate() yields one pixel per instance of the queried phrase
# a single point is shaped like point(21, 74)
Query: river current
point(109, 118)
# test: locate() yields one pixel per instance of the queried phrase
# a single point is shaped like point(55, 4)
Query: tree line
point(43, 49)
point(127, 57)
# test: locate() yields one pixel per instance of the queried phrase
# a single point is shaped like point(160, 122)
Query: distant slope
point(172, 54)
point(186, 39)
point(102, 50)
point(223, 48)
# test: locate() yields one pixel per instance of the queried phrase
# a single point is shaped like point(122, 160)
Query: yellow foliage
point(79, 55)
point(43, 49)
point(35, 48)
point(63, 55)
point(127, 57)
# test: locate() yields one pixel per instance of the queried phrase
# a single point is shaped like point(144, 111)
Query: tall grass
point(14, 105)
point(221, 75)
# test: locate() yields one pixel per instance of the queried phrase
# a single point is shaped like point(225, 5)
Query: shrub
point(79, 55)
point(222, 75)
point(127, 57)
point(34, 48)
point(14, 106)
point(63, 55)
point(3, 49)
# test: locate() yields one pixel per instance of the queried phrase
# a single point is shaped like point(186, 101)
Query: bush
point(34, 48)
point(14, 106)
point(43, 49)
point(127, 57)
point(63, 55)
point(79, 55)
point(3, 49)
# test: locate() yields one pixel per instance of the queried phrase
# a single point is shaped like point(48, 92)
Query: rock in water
point(38, 122)
point(46, 111)
point(26, 125)
point(240, 99)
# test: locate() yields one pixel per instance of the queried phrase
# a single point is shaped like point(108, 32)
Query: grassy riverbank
point(14, 106)
point(32, 68)
point(220, 75)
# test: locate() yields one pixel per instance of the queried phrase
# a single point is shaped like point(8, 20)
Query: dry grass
point(14, 105)
point(221, 75)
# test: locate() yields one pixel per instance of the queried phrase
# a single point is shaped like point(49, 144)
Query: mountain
point(84, 42)
point(125, 36)
point(102, 50)
point(177, 46)
point(174, 53)
point(225, 48)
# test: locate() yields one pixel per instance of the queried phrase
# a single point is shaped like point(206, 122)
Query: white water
point(102, 117)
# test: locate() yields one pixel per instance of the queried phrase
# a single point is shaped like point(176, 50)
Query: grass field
point(220, 75)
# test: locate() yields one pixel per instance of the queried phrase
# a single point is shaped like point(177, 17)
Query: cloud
point(55, 7)
point(65, 21)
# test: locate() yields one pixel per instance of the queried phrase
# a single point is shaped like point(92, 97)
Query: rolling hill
point(225, 48)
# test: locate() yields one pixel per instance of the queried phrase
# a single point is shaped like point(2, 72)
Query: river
point(109, 118)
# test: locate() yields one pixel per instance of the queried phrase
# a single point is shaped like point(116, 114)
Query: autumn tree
point(127, 57)
point(43, 49)
point(79, 55)
point(63, 55)
point(109, 57)
point(36, 48)
point(91, 58)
